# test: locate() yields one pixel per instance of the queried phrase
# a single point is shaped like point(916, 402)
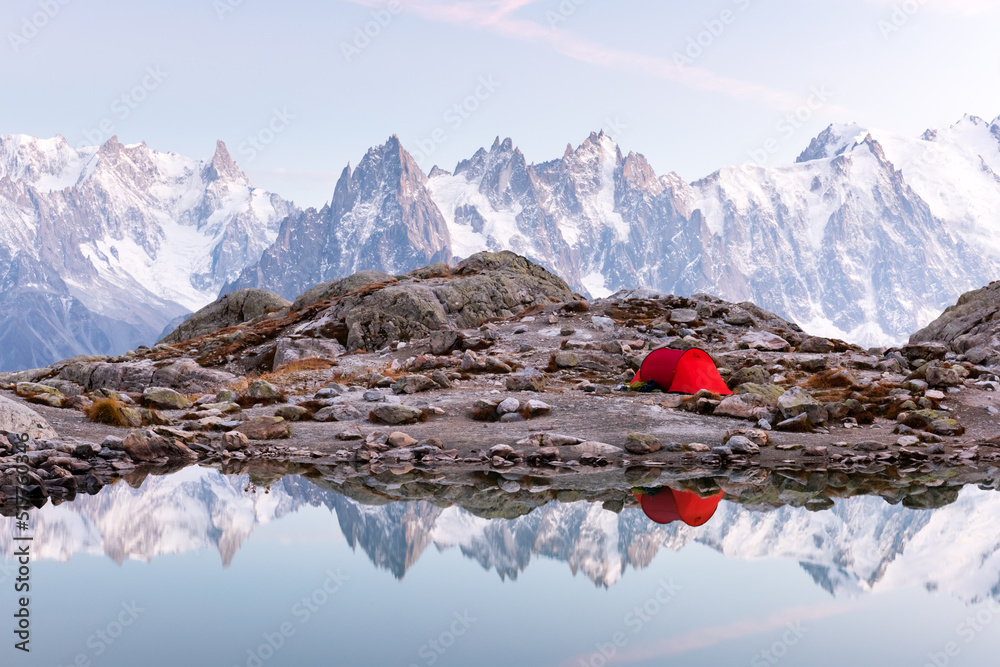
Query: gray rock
point(266, 428)
point(288, 350)
point(147, 446)
point(235, 441)
point(764, 340)
point(262, 391)
point(529, 379)
point(397, 414)
point(641, 443)
point(185, 376)
point(742, 406)
point(292, 413)
point(234, 308)
point(413, 384)
point(797, 401)
point(162, 398)
point(508, 405)
point(536, 408)
point(742, 445)
point(338, 288)
point(17, 418)
point(683, 316)
point(341, 412)
point(565, 360)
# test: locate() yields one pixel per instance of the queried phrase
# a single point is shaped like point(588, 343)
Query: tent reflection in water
point(683, 371)
point(665, 505)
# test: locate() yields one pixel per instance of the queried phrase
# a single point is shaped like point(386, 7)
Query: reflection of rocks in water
point(862, 544)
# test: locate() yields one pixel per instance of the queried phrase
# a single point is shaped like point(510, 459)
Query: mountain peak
point(223, 166)
point(833, 141)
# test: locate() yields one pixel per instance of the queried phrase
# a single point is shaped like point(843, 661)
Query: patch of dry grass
point(107, 411)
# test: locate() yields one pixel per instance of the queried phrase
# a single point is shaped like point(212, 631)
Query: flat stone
point(764, 340)
point(165, 399)
point(266, 428)
point(397, 414)
point(641, 443)
point(399, 439)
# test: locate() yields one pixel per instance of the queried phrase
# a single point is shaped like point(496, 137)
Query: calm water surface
point(197, 569)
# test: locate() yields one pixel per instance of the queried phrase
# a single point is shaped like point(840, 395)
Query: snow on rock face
point(382, 217)
point(866, 237)
point(129, 237)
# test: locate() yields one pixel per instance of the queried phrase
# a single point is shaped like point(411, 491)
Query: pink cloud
point(497, 16)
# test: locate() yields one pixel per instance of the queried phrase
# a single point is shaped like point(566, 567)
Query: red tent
point(667, 505)
point(683, 371)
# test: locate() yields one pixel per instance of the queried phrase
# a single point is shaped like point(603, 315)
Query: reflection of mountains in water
point(862, 544)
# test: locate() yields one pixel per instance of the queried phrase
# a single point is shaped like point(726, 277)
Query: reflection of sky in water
point(726, 611)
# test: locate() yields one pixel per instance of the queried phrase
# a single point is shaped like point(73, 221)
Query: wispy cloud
point(497, 16)
point(702, 638)
point(960, 7)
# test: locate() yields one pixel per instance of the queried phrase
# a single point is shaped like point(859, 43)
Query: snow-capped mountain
point(101, 247)
point(866, 237)
point(381, 217)
point(861, 545)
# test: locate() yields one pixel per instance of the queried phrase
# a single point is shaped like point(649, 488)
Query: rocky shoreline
point(495, 371)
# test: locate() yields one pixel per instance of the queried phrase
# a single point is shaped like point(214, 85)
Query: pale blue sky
point(558, 69)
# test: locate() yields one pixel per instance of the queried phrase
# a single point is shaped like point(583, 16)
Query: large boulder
point(764, 340)
point(237, 307)
point(162, 398)
point(17, 418)
point(186, 376)
point(265, 428)
point(146, 446)
point(742, 406)
point(485, 286)
point(798, 401)
point(288, 350)
point(973, 323)
point(339, 288)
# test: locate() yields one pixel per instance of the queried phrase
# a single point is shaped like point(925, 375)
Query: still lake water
point(197, 569)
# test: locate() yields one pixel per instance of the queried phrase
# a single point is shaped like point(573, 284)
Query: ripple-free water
point(197, 568)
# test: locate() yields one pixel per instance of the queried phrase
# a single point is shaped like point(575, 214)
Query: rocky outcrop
point(970, 328)
point(338, 288)
point(245, 305)
point(483, 287)
point(17, 419)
